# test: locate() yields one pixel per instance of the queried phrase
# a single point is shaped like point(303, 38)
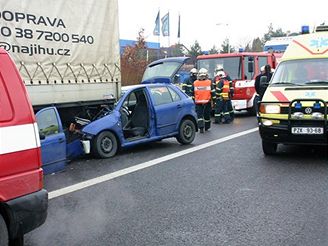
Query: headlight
point(270, 109)
point(317, 116)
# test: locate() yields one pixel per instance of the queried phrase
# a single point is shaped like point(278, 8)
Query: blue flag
point(156, 31)
point(166, 24)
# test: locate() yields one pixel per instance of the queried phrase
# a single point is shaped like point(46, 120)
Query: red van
point(23, 201)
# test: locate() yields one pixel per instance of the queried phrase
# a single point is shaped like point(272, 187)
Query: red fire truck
point(242, 67)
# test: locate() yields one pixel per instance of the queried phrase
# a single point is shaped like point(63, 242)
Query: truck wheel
point(4, 239)
point(187, 132)
point(104, 145)
point(269, 148)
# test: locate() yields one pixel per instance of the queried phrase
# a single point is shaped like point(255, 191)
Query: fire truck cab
point(294, 107)
point(242, 67)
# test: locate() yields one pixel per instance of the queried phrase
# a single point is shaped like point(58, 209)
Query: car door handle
point(179, 106)
point(61, 140)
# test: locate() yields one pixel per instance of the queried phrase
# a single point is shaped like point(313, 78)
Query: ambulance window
point(6, 109)
point(47, 122)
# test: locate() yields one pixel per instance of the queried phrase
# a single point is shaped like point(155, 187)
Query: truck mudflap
point(301, 124)
point(27, 213)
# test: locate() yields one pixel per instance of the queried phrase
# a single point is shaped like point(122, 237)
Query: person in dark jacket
point(257, 81)
point(187, 85)
point(223, 88)
point(265, 71)
point(219, 68)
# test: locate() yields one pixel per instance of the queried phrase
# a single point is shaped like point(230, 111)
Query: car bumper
point(282, 134)
point(239, 104)
point(27, 212)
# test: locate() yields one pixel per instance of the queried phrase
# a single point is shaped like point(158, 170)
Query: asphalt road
point(225, 194)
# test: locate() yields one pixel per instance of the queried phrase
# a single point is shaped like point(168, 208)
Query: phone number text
point(46, 35)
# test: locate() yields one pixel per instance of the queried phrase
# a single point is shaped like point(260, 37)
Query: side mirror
point(250, 64)
point(176, 79)
point(42, 136)
point(263, 81)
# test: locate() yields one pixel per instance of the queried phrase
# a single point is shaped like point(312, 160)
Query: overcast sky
point(211, 21)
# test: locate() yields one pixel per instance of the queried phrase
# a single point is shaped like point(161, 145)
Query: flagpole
point(169, 29)
point(157, 32)
point(159, 45)
point(179, 26)
point(159, 36)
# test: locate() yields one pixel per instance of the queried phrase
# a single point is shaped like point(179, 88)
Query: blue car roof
point(130, 88)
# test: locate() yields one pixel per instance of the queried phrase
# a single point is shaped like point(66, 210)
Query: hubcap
point(106, 144)
point(187, 131)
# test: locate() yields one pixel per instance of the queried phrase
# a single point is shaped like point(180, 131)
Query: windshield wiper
point(284, 83)
point(319, 82)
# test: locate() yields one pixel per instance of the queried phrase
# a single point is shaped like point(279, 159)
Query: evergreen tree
point(226, 47)
point(177, 50)
point(273, 33)
point(195, 50)
point(257, 45)
point(213, 50)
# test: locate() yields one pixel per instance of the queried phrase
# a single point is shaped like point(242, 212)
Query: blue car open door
point(167, 105)
point(53, 140)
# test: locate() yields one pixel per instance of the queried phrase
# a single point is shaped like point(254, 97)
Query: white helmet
point(221, 74)
point(219, 67)
point(202, 72)
point(193, 71)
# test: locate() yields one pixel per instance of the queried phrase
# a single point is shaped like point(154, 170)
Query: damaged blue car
point(144, 113)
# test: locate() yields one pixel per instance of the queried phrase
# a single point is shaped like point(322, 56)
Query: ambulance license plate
point(307, 130)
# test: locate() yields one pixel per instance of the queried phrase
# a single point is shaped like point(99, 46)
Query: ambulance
point(294, 107)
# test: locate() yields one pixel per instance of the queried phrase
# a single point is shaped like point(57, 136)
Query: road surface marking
point(107, 177)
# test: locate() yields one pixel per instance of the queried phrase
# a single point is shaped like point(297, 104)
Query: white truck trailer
point(67, 53)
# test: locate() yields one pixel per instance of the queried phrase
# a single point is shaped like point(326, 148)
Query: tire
point(104, 145)
point(19, 241)
point(269, 148)
point(187, 132)
point(4, 238)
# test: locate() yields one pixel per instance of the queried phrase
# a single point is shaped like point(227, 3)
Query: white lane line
point(107, 177)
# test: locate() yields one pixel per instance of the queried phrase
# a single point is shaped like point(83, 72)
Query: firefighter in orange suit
point(223, 91)
point(203, 94)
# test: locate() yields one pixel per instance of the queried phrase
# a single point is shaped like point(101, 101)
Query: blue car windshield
point(165, 69)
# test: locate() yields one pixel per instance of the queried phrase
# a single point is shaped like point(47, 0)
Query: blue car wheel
point(187, 132)
point(104, 145)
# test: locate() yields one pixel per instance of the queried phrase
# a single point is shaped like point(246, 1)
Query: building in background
point(151, 52)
